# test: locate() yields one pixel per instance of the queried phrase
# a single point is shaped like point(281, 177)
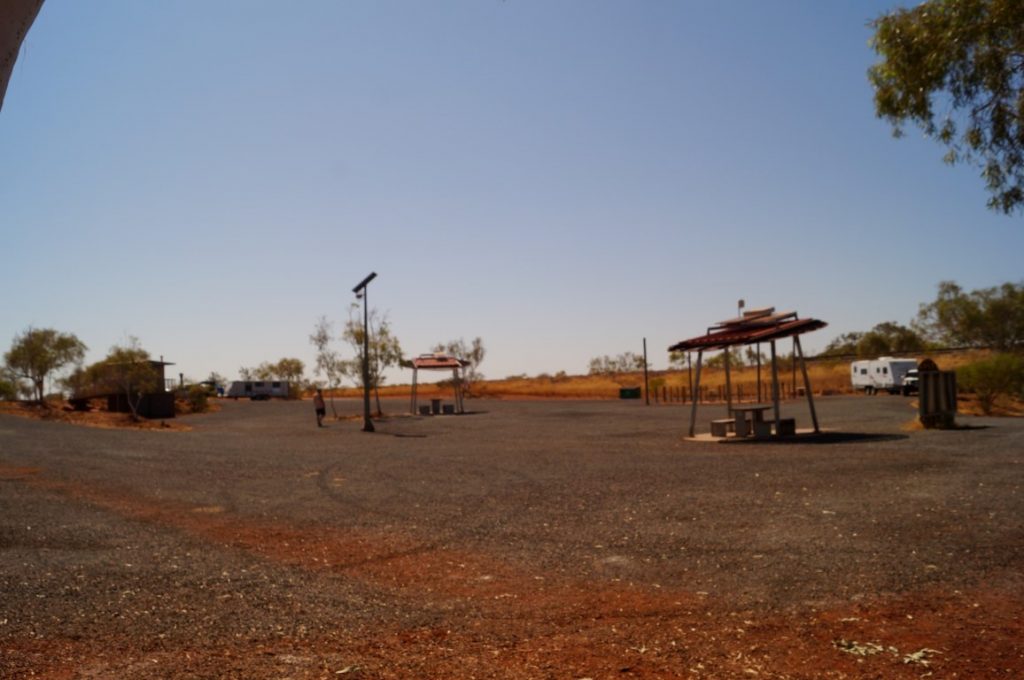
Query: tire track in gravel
point(507, 622)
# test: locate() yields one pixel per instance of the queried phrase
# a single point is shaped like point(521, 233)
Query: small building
point(113, 382)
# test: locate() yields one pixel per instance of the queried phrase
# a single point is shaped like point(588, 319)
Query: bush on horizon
point(989, 379)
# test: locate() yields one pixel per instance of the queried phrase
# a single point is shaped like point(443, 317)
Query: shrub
point(198, 398)
point(989, 379)
point(8, 390)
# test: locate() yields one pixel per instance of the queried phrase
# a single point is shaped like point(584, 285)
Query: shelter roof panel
point(748, 334)
point(435, 361)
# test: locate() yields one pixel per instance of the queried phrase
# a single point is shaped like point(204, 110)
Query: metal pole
point(412, 396)
point(647, 384)
point(758, 373)
point(794, 365)
point(367, 423)
point(693, 409)
point(807, 381)
point(728, 387)
point(689, 372)
point(775, 386)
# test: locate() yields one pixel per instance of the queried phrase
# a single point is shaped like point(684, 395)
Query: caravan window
point(258, 384)
point(863, 371)
point(277, 384)
point(885, 370)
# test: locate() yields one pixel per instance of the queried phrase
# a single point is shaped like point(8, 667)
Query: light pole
point(360, 291)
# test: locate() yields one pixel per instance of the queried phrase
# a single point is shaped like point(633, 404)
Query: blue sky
point(561, 178)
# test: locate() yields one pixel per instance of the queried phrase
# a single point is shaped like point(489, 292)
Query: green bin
point(629, 393)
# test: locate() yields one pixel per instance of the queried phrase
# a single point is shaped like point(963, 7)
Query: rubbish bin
point(629, 393)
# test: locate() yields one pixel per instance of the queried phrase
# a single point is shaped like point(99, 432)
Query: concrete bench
point(721, 427)
point(786, 428)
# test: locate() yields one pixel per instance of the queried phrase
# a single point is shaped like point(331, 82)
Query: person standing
point(321, 407)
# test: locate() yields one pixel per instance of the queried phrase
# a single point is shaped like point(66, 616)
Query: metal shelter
point(753, 327)
point(439, 362)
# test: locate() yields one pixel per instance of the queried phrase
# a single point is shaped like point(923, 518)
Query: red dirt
point(508, 621)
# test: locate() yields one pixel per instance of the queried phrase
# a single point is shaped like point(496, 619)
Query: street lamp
point(360, 291)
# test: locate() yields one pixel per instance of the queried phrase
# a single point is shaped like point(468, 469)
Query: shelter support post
point(647, 384)
point(775, 386)
point(728, 386)
point(689, 374)
point(412, 399)
point(758, 373)
point(695, 393)
point(458, 390)
point(807, 381)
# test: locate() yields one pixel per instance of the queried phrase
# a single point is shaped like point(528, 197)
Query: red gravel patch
point(505, 621)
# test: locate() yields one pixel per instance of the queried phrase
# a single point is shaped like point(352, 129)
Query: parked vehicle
point(910, 383)
point(258, 390)
point(884, 373)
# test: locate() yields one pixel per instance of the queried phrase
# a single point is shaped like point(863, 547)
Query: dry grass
point(825, 377)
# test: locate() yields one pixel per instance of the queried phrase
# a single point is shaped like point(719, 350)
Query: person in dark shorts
point(321, 408)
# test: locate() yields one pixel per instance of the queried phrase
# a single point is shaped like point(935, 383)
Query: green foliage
point(198, 397)
point(328, 361)
point(385, 350)
point(126, 370)
point(997, 376)
point(217, 379)
point(39, 352)
point(890, 337)
point(955, 68)
point(8, 389)
point(991, 317)
point(736, 359)
point(473, 353)
point(885, 338)
point(285, 369)
point(627, 362)
point(844, 345)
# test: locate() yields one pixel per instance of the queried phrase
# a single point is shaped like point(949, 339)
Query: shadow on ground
point(820, 438)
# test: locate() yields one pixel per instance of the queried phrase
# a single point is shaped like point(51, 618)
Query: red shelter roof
point(429, 361)
point(761, 325)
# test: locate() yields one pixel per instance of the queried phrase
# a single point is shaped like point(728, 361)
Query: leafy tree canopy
point(990, 317)
point(889, 337)
point(623, 363)
point(39, 352)
point(955, 68)
point(473, 353)
point(385, 350)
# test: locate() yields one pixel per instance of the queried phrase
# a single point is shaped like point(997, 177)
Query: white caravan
point(258, 390)
point(884, 373)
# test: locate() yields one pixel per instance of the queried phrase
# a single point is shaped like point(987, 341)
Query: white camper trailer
point(258, 390)
point(884, 373)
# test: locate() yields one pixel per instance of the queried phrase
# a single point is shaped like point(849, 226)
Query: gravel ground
point(528, 539)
